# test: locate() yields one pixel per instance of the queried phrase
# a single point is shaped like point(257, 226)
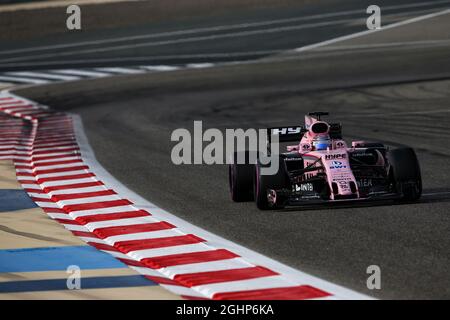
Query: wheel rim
point(271, 197)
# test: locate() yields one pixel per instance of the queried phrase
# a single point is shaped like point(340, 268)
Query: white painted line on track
point(199, 65)
point(385, 45)
point(120, 222)
point(49, 76)
point(23, 80)
point(43, 75)
point(319, 46)
point(146, 58)
point(180, 40)
point(160, 68)
point(367, 32)
point(82, 73)
point(120, 70)
point(189, 39)
point(221, 28)
point(233, 263)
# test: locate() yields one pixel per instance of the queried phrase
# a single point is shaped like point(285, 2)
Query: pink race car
point(323, 168)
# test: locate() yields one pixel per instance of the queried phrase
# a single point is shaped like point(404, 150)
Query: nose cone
point(339, 174)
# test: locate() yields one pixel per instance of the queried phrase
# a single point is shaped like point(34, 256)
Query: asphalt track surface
point(230, 36)
point(394, 93)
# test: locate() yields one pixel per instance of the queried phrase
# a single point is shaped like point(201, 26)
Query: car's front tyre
point(264, 185)
point(240, 178)
point(405, 173)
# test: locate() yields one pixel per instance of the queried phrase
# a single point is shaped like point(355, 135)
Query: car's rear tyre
point(264, 183)
point(405, 173)
point(241, 179)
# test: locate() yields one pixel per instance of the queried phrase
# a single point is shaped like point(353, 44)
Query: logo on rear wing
point(287, 134)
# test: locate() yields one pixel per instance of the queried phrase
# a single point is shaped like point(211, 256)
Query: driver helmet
point(321, 142)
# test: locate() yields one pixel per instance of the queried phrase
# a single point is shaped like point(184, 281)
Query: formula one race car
point(322, 168)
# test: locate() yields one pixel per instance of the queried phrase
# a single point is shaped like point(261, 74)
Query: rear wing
point(286, 134)
point(295, 133)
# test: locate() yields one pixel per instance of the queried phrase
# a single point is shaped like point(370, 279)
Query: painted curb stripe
point(304, 292)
